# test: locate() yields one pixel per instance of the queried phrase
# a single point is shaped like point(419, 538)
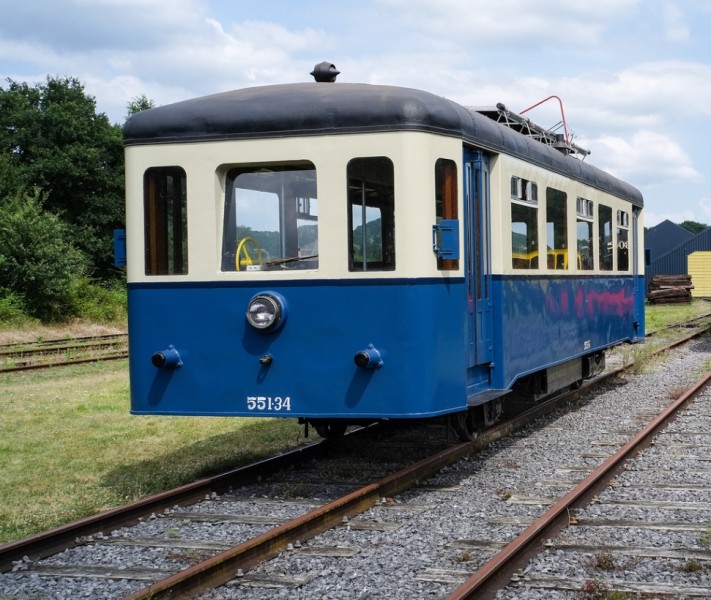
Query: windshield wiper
point(280, 262)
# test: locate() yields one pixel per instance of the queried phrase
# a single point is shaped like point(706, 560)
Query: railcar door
point(478, 265)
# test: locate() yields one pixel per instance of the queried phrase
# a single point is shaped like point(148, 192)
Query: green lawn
point(69, 447)
point(658, 316)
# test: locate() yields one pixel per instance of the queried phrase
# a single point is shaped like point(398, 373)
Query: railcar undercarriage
point(467, 424)
point(531, 388)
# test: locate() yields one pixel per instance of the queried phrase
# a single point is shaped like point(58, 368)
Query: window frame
point(529, 259)
point(165, 245)
point(557, 254)
point(285, 240)
point(371, 178)
point(446, 202)
point(606, 261)
point(622, 242)
point(585, 215)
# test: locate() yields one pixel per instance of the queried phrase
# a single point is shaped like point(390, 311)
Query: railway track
point(581, 514)
point(266, 527)
point(665, 519)
point(60, 352)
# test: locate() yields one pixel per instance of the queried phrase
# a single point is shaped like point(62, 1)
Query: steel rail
point(64, 363)
point(59, 349)
point(60, 343)
point(223, 567)
point(47, 543)
point(497, 572)
point(692, 322)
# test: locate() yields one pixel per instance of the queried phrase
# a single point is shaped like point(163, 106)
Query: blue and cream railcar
point(344, 253)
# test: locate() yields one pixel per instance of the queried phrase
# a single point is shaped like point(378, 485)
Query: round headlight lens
point(264, 312)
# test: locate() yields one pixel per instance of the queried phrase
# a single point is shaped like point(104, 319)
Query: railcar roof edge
point(300, 109)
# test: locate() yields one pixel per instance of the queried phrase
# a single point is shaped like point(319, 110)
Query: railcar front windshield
point(271, 218)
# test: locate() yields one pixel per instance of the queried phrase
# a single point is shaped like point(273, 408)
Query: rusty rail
point(48, 543)
point(496, 573)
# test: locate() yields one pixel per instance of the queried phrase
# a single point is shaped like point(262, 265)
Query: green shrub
point(99, 303)
point(38, 262)
point(12, 310)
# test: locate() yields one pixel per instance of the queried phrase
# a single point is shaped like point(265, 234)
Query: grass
point(706, 537)
point(69, 448)
point(604, 561)
point(29, 332)
point(641, 357)
point(658, 316)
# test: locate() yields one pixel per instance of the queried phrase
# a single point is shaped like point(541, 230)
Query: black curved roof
point(327, 108)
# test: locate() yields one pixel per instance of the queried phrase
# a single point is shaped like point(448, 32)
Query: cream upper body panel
point(507, 167)
point(206, 165)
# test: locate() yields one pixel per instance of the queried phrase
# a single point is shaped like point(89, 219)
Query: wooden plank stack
point(669, 289)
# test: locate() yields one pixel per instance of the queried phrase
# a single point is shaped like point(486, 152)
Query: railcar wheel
point(330, 431)
point(464, 424)
point(245, 258)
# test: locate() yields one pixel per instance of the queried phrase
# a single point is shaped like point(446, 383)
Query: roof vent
point(325, 72)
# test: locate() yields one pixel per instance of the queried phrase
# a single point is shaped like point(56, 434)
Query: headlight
point(265, 311)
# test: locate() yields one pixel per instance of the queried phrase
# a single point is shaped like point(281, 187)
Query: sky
point(634, 76)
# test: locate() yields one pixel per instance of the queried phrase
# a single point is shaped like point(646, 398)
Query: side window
point(623, 252)
point(524, 236)
point(165, 221)
point(271, 218)
point(446, 202)
point(604, 220)
point(556, 229)
point(585, 234)
point(371, 214)
point(523, 189)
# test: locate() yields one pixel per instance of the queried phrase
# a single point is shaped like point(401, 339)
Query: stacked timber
point(668, 289)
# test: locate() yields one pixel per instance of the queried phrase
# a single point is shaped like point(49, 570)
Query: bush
point(12, 310)
point(38, 262)
point(99, 303)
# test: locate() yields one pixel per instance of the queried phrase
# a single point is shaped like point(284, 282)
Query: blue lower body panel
point(416, 325)
point(541, 321)
point(421, 328)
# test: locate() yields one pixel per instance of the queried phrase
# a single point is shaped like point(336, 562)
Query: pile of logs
point(668, 289)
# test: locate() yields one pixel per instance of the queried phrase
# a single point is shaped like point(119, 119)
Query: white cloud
point(705, 208)
point(648, 158)
point(654, 218)
point(88, 25)
point(116, 49)
point(675, 86)
point(512, 22)
point(675, 27)
point(634, 76)
point(658, 95)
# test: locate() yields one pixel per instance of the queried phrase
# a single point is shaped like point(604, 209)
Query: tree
point(693, 226)
point(138, 104)
point(52, 139)
point(37, 263)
